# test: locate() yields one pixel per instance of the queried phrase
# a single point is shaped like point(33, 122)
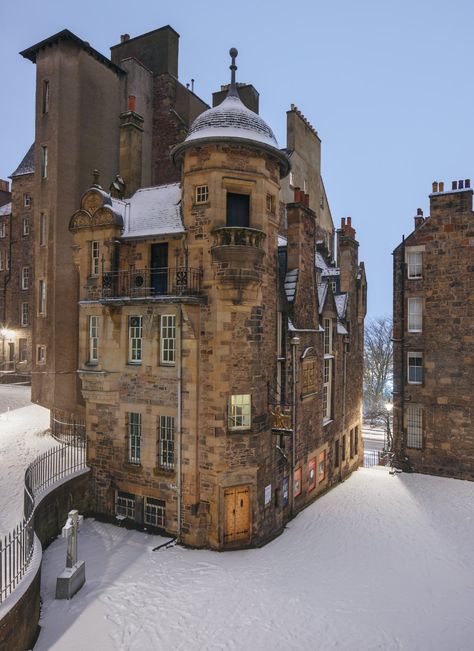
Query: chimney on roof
point(124, 37)
point(131, 146)
point(419, 219)
point(5, 195)
point(347, 254)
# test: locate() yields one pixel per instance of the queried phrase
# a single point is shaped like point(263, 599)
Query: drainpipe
point(178, 460)
point(344, 374)
point(401, 416)
point(294, 341)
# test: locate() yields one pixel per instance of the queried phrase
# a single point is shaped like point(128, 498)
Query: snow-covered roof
point(291, 280)
point(27, 165)
point(231, 119)
point(6, 209)
point(282, 241)
point(340, 329)
point(151, 211)
point(326, 270)
point(322, 293)
point(341, 304)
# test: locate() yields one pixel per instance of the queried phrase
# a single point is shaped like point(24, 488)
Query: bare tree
point(378, 368)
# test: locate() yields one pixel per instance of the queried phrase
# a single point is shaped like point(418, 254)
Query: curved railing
point(16, 549)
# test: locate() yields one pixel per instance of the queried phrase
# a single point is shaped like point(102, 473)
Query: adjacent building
point(434, 337)
point(192, 306)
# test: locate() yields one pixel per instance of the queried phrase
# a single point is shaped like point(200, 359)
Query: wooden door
point(237, 514)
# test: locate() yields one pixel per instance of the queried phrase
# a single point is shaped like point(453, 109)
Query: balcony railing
point(136, 283)
point(238, 236)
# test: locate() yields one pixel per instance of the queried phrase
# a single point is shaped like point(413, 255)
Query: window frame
point(40, 354)
point(94, 324)
point(26, 226)
point(201, 194)
point(128, 504)
point(3, 228)
point(167, 342)
point(245, 414)
point(414, 427)
point(415, 314)
point(135, 339)
point(22, 348)
point(44, 162)
point(158, 510)
point(41, 297)
point(24, 322)
point(415, 265)
point(45, 97)
point(43, 231)
point(166, 443)
point(412, 354)
point(25, 278)
point(134, 431)
point(95, 258)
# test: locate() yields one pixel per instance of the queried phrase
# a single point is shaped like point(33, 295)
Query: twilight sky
point(387, 84)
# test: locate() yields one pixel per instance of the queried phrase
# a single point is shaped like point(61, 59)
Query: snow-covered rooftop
point(231, 119)
point(6, 209)
point(151, 211)
point(326, 269)
point(27, 165)
point(291, 280)
point(322, 293)
point(341, 304)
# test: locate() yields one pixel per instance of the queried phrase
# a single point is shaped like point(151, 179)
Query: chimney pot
point(467, 183)
point(343, 223)
point(419, 211)
point(454, 185)
point(124, 37)
point(441, 186)
point(349, 221)
point(132, 103)
point(435, 186)
point(461, 185)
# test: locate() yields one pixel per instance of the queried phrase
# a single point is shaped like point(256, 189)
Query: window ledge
point(327, 421)
point(308, 395)
point(134, 467)
point(239, 430)
point(161, 472)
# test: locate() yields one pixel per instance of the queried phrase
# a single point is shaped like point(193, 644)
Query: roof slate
point(6, 209)
point(27, 165)
point(151, 211)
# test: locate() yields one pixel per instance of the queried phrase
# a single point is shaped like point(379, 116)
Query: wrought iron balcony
point(148, 282)
point(238, 236)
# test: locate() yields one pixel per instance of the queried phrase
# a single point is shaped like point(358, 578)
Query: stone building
point(434, 337)
point(220, 347)
point(16, 270)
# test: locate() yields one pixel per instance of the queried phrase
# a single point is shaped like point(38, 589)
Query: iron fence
point(372, 458)
point(68, 429)
point(16, 549)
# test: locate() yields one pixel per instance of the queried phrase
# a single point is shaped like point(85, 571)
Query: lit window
point(155, 512)
point(43, 229)
point(93, 339)
point(45, 97)
point(42, 297)
point(168, 339)
point(415, 314)
point(25, 314)
point(40, 354)
point(311, 474)
point(26, 226)
point(414, 416)
point(44, 162)
point(240, 412)
point(25, 277)
point(322, 466)
point(135, 339)
point(414, 260)
point(415, 368)
point(125, 504)
point(94, 258)
point(134, 436)
point(3, 231)
point(202, 193)
point(27, 200)
point(166, 443)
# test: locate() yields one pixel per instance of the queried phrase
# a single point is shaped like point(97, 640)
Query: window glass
point(240, 411)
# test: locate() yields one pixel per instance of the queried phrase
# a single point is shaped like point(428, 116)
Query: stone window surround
point(240, 410)
point(414, 313)
point(412, 354)
point(201, 194)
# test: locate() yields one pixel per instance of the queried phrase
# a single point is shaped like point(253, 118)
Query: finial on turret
point(233, 88)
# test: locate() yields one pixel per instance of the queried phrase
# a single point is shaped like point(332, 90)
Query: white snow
point(23, 436)
point(6, 209)
point(291, 280)
point(153, 211)
point(380, 562)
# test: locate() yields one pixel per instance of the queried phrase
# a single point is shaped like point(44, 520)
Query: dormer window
point(238, 210)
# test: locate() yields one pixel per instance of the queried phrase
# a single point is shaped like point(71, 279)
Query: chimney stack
point(419, 219)
point(124, 37)
point(131, 146)
point(347, 254)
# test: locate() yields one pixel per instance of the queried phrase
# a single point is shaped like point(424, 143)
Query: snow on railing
point(16, 549)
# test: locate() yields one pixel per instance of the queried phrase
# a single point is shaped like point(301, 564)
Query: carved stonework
point(80, 219)
point(92, 202)
point(103, 217)
point(237, 157)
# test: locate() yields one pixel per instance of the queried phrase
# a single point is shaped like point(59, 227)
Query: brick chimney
point(131, 147)
point(5, 194)
point(347, 254)
point(458, 199)
point(419, 219)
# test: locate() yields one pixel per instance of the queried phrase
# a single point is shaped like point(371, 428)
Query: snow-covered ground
point(380, 562)
point(23, 436)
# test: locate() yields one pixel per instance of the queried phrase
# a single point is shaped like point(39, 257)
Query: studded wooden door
point(237, 514)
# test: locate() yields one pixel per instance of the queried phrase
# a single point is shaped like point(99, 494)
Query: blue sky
point(388, 85)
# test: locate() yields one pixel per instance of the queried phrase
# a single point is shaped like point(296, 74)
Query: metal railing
point(68, 429)
point(238, 236)
point(16, 549)
point(147, 282)
point(372, 458)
